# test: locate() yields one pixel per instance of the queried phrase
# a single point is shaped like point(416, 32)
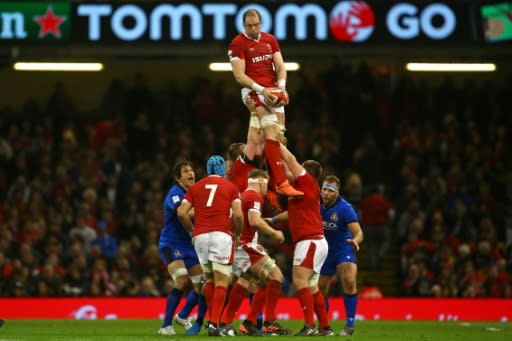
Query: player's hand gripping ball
point(280, 98)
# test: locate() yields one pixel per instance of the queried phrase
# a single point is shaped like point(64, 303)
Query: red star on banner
point(49, 23)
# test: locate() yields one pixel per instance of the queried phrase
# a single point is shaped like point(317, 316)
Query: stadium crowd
point(428, 166)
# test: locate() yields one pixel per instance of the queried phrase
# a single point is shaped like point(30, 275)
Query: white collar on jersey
point(258, 39)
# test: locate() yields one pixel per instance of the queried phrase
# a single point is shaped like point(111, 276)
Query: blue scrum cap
point(216, 165)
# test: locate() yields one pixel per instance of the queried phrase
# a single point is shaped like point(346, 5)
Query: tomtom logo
point(352, 21)
point(347, 21)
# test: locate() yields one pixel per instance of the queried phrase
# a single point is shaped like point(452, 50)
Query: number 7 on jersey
point(212, 188)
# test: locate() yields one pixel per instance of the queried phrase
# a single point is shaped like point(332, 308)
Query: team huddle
point(211, 231)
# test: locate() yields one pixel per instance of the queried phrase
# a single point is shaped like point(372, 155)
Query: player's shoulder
point(231, 185)
point(219, 180)
point(306, 177)
point(268, 36)
point(175, 194)
point(251, 195)
point(239, 38)
point(344, 204)
point(176, 189)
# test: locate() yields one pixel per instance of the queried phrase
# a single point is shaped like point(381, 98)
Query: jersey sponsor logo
point(329, 225)
point(261, 58)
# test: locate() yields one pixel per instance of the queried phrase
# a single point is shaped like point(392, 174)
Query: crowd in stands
point(428, 166)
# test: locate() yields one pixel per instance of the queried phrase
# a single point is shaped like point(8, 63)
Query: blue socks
point(191, 302)
point(194, 299)
point(173, 299)
point(201, 309)
point(350, 302)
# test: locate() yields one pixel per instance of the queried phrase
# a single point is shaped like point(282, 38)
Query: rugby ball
point(280, 98)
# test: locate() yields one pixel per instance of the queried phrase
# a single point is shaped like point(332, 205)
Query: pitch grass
point(128, 330)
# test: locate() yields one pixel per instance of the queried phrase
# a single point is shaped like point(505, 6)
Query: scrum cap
point(216, 165)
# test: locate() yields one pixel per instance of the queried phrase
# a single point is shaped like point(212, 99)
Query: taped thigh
point(313, 281)
point(267, 268)
point(222, 268)
point(207, 268)
point(268, 120)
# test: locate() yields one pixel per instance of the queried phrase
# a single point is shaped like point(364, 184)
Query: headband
point(330, 186)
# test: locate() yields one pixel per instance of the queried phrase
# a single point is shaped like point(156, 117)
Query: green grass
point(59, 330)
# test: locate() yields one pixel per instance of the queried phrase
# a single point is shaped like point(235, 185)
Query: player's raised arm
point(291, 162)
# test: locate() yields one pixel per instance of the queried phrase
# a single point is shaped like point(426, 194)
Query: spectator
point(83, 231)
point(377, 213)
point(106, 243)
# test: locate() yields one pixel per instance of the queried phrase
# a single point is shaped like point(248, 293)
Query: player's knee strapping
point(254, 122)
point(268, 121)
point(267, 268)
point(175, 273)
point(196, 279)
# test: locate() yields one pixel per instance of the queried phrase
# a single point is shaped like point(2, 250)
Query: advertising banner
point(336, 23)
point(35, 21)
point(287, 309)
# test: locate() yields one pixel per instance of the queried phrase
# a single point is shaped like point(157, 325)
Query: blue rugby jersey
point(335, 220)
point(172, 229)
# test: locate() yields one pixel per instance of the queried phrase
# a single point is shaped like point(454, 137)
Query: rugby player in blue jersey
point(178, 254)
point(344, 235)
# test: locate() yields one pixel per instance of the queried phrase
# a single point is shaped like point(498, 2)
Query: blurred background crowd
point(427, 165)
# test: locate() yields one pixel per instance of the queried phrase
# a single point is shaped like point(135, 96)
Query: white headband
point(257, 181)
point(330, 187)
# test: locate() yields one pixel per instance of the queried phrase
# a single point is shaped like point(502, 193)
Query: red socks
point(258, 302)
point(237, 295)
point(273, 293)
point(273, 158)
point(219, 296)
point(321, 312)
point(308, 307)
point(208, 294)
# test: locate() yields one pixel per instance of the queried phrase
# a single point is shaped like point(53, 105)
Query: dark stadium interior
point(96, 149)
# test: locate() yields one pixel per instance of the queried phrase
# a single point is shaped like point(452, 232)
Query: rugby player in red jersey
point(218, 221)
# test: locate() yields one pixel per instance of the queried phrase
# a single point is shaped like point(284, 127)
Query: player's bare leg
point(269, 124)
point(348, 272)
